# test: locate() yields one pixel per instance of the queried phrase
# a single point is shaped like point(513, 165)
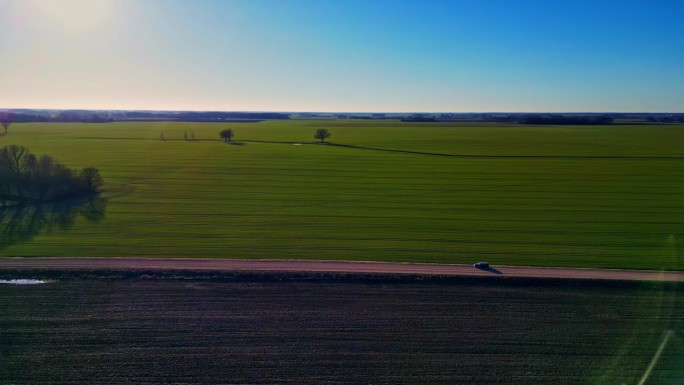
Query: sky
point(350, 55)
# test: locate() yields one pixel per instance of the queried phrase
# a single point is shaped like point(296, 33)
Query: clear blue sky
point(343, 55)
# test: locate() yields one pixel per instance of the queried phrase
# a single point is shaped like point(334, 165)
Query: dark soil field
point(340, 330)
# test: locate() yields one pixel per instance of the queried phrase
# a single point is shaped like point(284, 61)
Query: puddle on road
point(22, 281)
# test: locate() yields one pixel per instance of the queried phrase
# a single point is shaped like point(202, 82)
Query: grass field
point(431, 192)
point(335, 331)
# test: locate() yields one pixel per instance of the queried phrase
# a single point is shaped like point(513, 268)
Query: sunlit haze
point(310, 55)
point(77, 15)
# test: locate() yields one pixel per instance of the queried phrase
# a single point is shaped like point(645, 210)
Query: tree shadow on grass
point(20, 224)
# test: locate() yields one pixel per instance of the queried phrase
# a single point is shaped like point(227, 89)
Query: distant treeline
point(204, 116)
point(85, 116)
point(419, 118)
point(64, 116)
point(578, 120)
point(666, 119)
point(564, 119)
point(201, 116)
point(25, 178)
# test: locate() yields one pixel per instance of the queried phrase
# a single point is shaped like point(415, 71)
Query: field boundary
point(400, 151)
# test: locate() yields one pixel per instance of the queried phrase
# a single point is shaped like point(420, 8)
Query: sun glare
point(74, 14)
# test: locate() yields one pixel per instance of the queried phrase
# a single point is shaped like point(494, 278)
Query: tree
point(14, 158)
point(226, 135)
point(25, 178)
point(322, 134)
point(5, 121)
point(92, 179)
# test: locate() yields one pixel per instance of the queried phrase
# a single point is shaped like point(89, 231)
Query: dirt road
point(335, 266)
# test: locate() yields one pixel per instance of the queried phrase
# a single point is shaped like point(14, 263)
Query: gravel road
point(337, 267)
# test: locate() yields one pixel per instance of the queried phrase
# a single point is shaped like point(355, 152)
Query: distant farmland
point(600, 196)
point(333, 331)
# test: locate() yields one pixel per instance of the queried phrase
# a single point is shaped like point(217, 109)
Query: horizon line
point(339, 112)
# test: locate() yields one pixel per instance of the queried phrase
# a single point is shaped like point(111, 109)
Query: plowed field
point(338, 332)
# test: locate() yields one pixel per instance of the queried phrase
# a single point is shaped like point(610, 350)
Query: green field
point(446, 192)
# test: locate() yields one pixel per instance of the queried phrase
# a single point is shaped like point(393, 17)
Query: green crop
point(600, 196)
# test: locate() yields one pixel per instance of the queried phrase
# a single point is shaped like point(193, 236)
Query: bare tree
point(5, 121)
point(14, 158)
point(92, 179)
point(27, 178)
point(322, 134)
point(227, 135)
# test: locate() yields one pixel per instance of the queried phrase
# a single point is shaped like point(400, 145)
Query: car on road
point(481, 265)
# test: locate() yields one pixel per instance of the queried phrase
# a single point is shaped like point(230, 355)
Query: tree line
point(666, 119)
point(61, 117)
point(564, 120)
point(26, 178)
point(88, 116)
